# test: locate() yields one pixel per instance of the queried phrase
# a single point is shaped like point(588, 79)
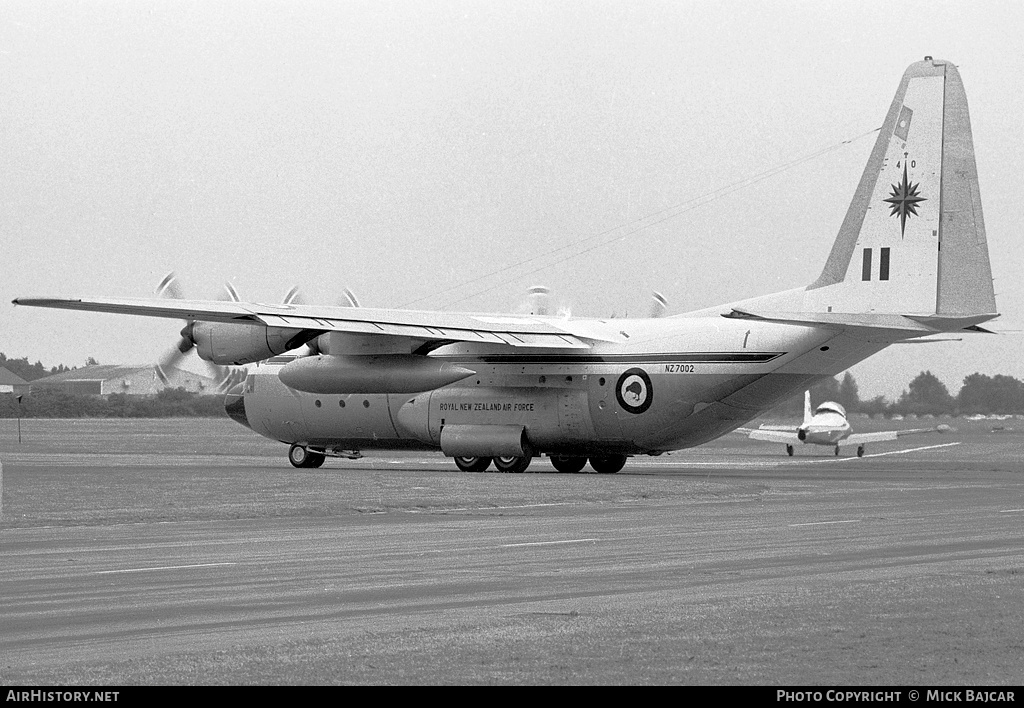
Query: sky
point(448, 155)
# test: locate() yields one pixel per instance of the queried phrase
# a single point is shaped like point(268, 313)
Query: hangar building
point(12, 383)
point(105, 379)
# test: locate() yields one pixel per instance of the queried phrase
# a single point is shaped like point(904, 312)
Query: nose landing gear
point(299, 456)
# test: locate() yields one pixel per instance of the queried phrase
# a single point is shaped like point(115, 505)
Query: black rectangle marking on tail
point(865, 271)
point(883, 264)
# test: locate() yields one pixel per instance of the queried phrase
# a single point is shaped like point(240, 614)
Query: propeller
point(295, 297)
point(170, 288)
point(658, 307)
point(658, 304)
point(349, 299)
point(224, 376)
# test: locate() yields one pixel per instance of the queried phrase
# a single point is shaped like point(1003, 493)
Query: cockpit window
point(831, 407)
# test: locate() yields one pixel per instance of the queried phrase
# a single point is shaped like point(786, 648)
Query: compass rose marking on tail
point(904, 200)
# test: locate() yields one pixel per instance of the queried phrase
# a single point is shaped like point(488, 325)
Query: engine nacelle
point(224, 343)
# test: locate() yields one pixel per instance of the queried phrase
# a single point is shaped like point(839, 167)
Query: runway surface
point(157, 552)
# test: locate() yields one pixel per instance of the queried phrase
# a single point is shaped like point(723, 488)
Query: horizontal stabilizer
point(908, 325)
point(775, 436)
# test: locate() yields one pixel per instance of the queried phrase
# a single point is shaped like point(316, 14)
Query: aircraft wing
point(491, 328)
point(943, 428)
point(888, 435)
point(775, 436)
point(862, 438)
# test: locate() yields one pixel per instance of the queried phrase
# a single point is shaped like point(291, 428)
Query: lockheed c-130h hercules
point(910, 260)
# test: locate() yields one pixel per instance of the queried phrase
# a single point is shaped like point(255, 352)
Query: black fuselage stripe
point(632, 359)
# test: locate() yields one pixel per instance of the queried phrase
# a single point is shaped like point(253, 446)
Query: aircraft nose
point(234, 405)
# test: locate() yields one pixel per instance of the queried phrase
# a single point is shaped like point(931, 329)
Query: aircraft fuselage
point(825, 429)
point(671, 384)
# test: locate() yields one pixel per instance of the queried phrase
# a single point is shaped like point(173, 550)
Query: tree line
point(925, 395)
point(31, 372)
point(169, 403)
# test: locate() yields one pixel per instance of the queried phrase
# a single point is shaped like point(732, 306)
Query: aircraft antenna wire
point(636, 226)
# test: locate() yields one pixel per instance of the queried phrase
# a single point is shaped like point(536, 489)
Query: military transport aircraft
point(910, 260)
point(828, 425)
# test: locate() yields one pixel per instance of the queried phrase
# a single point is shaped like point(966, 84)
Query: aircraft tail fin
point(808, 414)
point(913, 240)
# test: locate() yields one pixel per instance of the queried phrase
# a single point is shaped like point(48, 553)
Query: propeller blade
point(658, 305)
point(222, 375)
point(170, 288)
point(169, 361)
point(349, 298)
point(294, 297)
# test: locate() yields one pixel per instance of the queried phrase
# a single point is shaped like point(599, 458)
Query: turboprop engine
point(223, 343)
point(361, 373)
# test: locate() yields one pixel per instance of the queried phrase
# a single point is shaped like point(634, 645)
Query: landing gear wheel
point(472, 464)
point(789, 450)
point(607, 464)
point(837, 451)
point(568, 465)
point(512, 464)
point(860, 451)
point(301, 457)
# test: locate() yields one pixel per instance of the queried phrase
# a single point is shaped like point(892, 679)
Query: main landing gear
point(501, 464)
point(566, 464)
point(512, 464)
point(602, 464)
point(472, 464)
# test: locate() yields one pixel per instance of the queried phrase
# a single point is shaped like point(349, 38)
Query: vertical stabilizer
point(913, 240)
point(965, 274)
point(808, 414)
